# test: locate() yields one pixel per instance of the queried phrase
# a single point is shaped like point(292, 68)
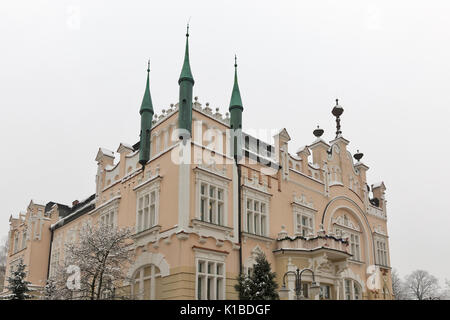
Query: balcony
point(336, 248)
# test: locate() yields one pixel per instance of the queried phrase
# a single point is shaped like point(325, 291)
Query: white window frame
point(211, 180)
point(24, 240)
point(349, 291)
point(262, 199)
point(211, 204)
point(381, 251)
point(354, 240)
point(153, 186)
point(206, 257)
point(16, 242)
point(299, 213)
point(109, 217)
point(153, 275)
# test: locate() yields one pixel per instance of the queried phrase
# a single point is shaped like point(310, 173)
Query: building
point(205, 198)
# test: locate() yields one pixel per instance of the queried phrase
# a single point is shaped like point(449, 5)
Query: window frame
point(142, 277)
point(346, 228)
point(16, 242)
point(216, 259)
point(381, 251)
point(211, 180)
point(151, 186)
point(301, 211)
point(262, 199)
point(349, 291)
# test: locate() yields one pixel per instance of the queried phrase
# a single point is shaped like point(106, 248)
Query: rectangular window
point(24, 240)
point(108, 219)
point(256, 213)
point(355, 247)
point(325, 292)
point(354, 243)
point(305, 224)
point(348, 293)
point(382, 252)
point(146, 211)
point(212, 204)
point(210, 280)
point(16, 242)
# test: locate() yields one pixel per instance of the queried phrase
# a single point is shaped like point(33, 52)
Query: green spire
point(146, 112)
point(235, 101)
point(186, 73)
point(186, 83)
point(147, 104)
point(236, 109)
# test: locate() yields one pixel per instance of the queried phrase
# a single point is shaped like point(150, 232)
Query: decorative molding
point(254, 183)
point(345, 222)
point(147, 258)
point(303, 201)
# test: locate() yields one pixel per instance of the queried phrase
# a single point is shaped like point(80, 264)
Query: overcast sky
point(72, 77)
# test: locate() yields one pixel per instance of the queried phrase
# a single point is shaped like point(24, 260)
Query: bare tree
point(421, 285)
point(3, 256)
point(446, 292)
point(398, 286)
point(100, 257)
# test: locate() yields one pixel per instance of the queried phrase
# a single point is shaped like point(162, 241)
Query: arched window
point(145, 282)
point(352, 290)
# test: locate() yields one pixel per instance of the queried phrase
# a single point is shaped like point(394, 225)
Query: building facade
point(204, 198)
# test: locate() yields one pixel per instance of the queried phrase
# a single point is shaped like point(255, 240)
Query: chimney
point(75, 202)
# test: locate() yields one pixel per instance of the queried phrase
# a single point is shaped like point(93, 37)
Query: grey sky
point(72, 76)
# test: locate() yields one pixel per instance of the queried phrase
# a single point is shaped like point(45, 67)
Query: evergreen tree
point(260, 285)
point(17, 283)
point(50, 290)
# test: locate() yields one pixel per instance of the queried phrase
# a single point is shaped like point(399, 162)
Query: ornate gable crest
point(345, 222)
point(303, 201)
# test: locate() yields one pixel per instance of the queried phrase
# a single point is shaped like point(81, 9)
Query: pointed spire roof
point(186, 73)
point(147, 104)
point(236, 100)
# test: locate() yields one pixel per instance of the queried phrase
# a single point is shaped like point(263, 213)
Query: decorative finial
point(235, 61)
point(318, 132)
point(358, 155)
point(187, 27)
point(148, 65)
point(337, 112)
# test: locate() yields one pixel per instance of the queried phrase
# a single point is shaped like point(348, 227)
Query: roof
point(236, 100)
point(186, 73)
point(147, 104)
point(76, 211)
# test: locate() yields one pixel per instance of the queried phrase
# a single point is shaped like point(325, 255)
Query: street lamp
point(298, 284)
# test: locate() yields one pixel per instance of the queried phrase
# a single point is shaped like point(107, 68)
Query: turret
point(186, 83)
point(236, 109)
point(146, 113)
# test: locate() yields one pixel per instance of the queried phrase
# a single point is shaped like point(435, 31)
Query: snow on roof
point(377, 184)
point(73, 213)
point(124, 145)
point(107, 152)
point(317, 141)
point(38, 202)
point(132, 154)
point(314, 166)
point(303, 148)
